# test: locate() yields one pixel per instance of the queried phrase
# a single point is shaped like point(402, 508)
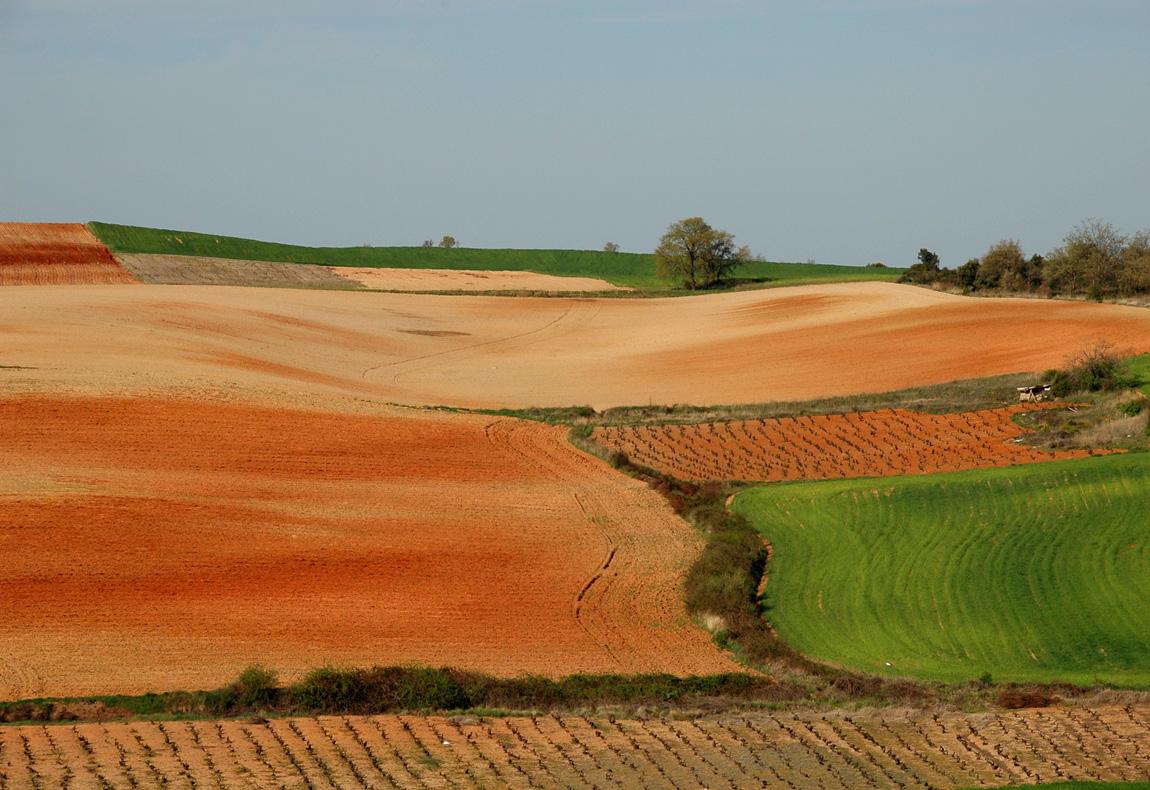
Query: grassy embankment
point(618, 268)
point(1035, 573)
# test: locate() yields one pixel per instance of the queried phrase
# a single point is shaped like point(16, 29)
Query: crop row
point(874, 443)
point(894, 749)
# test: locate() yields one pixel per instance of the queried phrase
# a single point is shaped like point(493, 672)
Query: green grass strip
point(618, 268)
point(1036, 573)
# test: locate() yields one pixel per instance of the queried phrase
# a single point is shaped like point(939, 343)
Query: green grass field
point(1030, 573)
point(619, 268)
point(1139, 368)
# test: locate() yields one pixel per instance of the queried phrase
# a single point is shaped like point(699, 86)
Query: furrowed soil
point(862, 444)
point(188, 270)
point(55, 253)
point(159, 544)
point(513, 352)
point(892, 748)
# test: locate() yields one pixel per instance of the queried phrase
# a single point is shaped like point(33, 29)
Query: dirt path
point(160, 543)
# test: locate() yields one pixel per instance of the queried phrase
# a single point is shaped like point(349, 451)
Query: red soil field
point(162, 543)
point(891, 748)
point(55, 253)
point(873, 443)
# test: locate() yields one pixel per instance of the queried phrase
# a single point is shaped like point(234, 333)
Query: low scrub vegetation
point(1107, 407)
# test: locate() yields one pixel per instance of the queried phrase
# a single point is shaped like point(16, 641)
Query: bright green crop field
point(1139, 368)
point(619, 268)
point(1031, 573)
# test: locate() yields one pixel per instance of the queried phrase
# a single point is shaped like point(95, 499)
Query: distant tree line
point(1095, 261)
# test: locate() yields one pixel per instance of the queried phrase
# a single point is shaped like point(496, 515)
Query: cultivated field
point(887, 749)
point(491, 352)
point(618, 268)
point(873, 443)
point(189, 270)
point(158, 544)
point(1038, 572)
point(55, 254)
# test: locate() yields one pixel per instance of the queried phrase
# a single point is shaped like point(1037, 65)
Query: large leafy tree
point(697, 254)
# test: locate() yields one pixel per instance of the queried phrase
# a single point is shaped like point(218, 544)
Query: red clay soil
point(158, 544)
point(874, 443)
point(55, 253)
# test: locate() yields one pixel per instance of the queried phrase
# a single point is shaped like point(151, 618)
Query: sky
point(827, 130)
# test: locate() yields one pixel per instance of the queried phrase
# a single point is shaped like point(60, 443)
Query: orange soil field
point(873, 443)
point(467, 280)
point(55, 253)
point(160, 543)
point(477, 351)
point(888, 749)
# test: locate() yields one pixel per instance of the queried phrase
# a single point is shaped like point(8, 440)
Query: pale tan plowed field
point(467, 280)
point(891, 749)
point(878, 443)
point(159, 544)
point(55, 253)
point(478, 351)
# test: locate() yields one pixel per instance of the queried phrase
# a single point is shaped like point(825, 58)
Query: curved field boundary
point(1032, 573)
point(161, 543)
point(863, 444)
point(49, 253)
point(892, 749)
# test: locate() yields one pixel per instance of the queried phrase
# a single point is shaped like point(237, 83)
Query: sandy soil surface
point(872, 443)
point(191, 270)
point(888, 748)
point(479, 351)
point(55, 253)
point(158, 543)
point(467, 280)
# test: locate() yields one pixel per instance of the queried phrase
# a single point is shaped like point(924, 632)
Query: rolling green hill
point(1030, 573)
point(619, 268)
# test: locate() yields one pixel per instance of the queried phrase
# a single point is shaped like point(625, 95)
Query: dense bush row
point(1095, 261)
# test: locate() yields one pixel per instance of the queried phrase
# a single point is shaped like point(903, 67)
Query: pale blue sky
point(847, 132)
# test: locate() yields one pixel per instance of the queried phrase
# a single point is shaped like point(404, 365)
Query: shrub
point(256, 687)
point(425, 688)
point(330, 689)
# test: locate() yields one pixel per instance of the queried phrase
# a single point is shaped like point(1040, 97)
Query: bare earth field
point(55, 253)
point(476, 351)
point(873, 443)
point(191, 270)
point(157, 544)
point(467, 280)
point(877, 749)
